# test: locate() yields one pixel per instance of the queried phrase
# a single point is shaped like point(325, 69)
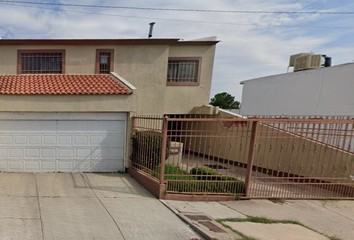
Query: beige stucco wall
point(68, 103)
point(144, 66)
point(182, 99)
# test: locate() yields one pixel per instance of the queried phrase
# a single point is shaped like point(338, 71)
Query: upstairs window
point(41, 62)
point(104, 61)
point(183, 71)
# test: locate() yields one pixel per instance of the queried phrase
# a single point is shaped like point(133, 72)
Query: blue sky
point(252, 45)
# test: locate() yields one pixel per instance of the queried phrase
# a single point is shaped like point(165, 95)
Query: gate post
point(131, 139)
point(251, 157)
point(163, 150)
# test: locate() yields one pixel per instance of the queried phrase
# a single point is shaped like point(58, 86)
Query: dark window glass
point(183, 71)
point(42, 63)
point(105, 63)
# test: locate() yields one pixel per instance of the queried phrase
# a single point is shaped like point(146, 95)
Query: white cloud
point(247, 49)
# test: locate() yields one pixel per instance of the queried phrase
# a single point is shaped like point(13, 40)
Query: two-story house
point(66, 105)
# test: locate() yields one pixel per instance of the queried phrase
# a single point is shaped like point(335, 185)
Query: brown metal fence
point(246, 157)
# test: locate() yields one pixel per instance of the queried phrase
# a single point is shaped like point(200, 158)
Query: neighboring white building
point(322, 91)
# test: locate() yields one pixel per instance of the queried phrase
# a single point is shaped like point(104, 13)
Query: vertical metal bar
point(163, 149)
point(133, 134)
point(251, 157)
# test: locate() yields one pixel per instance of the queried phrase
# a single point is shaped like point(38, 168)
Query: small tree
point(225, 100)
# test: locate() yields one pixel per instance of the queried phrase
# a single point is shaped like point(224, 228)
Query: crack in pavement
point(89, 184)
point(39, 206)
point(5, 218)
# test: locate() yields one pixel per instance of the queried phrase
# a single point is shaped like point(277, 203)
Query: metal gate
point(196, 157)
point(302, 158)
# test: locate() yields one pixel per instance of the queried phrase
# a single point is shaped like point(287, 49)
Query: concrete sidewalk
point(83, 206)
point(330, 218)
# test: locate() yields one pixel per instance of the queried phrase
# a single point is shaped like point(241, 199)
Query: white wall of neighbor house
point(324, 91)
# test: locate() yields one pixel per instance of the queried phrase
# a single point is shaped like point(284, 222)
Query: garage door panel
point(83, 153)
point(32, 153)
point(16, 152)
point(15, 165)
point(32, 165)
point(65, 153)
point(6, 140)
point(83, 166)
point(3, 153)
point(96, 140)
point(50, 140)
point(19, 126)
point(64, 140)
point(64, 126)
point(34, 126)
point(114, 126)
point(6, 126)
point(49, 126)
point(49, 153)
point(20, 140)
point(65, 166)
point(35, 140)
point(117, 165)
point(48, 166)
point(100, 165)
point(80, 126)
point(3, 165)
point(52, 144)
point(110, 141)
point(96, 126)
point(81, 140)
point(113, 152)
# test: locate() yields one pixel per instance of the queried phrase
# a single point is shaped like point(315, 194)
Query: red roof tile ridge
point(61, 84)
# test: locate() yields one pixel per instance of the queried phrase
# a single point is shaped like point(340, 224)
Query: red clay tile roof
point(61, 84)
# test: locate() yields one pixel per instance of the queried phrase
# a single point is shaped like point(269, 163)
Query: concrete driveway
point(83, 206)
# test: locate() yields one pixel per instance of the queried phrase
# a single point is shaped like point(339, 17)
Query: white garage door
point(62, 142)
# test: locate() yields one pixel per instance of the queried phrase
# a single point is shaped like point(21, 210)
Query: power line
point(183, 9)
point(183, 20)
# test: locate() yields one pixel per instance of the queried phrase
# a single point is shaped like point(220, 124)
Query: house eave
point(143, 41)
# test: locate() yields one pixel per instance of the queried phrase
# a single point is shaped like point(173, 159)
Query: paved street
point(83, 206)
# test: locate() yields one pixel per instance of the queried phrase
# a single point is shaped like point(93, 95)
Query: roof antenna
point(151, 28)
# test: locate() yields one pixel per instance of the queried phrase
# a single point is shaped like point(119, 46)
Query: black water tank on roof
point(328, 61)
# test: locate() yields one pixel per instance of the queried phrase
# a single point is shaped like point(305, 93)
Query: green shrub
point(198, 180)
point(171, 173)
point(206, 187)
point(147, 148)
point(206, 174)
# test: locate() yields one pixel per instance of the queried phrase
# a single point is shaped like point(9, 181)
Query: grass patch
point(334, 238)
point(263, 220)
point(277, 201)
point(170, 170)
point(198, 180)
point(260, 220)
point(244, 237)
point(325, 202)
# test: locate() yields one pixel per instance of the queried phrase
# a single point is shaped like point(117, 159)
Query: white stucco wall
point(324, 91)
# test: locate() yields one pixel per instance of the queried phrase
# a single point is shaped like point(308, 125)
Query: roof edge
point(142, 41)
point(123, 81)
point(296, 73)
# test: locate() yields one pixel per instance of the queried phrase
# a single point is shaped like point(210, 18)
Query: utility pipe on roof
point(151, 28)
